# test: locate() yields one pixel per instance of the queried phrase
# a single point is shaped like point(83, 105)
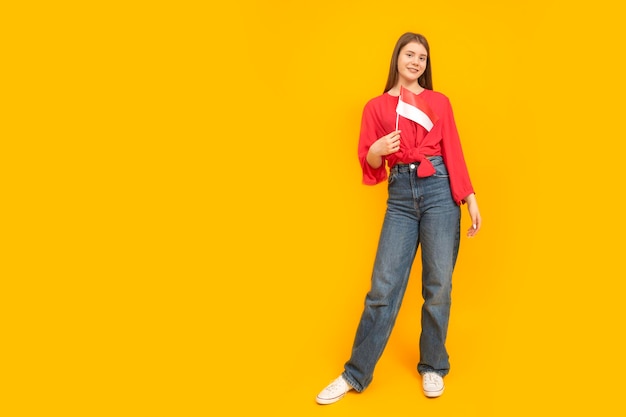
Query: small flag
point(414, 107)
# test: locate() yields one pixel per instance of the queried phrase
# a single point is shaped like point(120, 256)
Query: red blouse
point(379, 119)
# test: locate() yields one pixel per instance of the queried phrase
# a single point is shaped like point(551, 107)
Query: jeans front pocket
point(392, 177)
point(440, 168)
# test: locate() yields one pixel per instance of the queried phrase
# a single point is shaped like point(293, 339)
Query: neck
point(413, 87)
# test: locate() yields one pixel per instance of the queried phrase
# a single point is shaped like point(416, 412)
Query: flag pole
point(398, 114)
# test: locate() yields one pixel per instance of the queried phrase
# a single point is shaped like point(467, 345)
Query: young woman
point(427, 183)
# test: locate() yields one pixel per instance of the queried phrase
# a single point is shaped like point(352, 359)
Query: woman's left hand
point(472, 208)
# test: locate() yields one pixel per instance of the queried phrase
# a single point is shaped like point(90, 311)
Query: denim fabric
point(420, 211)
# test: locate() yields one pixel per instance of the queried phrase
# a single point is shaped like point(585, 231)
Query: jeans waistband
point(410, 167)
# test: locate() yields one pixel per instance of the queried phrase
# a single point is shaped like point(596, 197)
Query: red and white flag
point(414, 107)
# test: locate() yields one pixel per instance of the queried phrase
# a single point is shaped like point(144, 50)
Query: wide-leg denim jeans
point(420, 211)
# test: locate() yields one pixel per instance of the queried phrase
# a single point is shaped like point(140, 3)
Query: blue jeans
point(419, 211)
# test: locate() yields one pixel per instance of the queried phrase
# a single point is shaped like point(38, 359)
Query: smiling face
point(412, 62)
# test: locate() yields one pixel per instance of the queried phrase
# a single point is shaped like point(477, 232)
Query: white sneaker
point(333, 392)
point(432, 384)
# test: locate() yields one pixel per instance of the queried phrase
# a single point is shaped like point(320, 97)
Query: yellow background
point(185, 230)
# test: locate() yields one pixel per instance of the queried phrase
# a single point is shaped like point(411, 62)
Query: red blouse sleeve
point(453, 158)
point(370, 127)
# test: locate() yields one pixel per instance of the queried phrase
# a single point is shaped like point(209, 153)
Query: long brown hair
point(426, 79)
